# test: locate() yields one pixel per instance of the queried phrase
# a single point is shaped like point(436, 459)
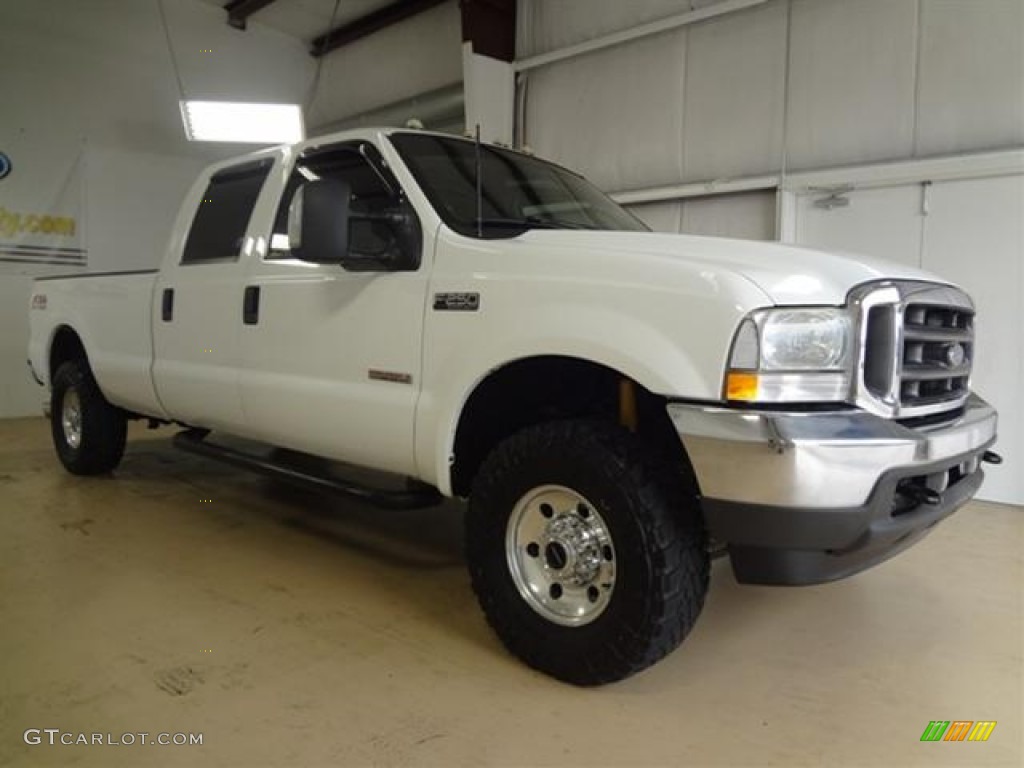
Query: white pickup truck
point(616, 405)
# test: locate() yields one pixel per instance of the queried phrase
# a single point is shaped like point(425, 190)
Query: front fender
point(605, 336)
point(666, 323)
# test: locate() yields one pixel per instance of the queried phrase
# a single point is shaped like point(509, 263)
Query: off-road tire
point(103, 426)
point(651, 513)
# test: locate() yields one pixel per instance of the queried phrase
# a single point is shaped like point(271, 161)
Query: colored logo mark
point(5, 165)
point(958, 730)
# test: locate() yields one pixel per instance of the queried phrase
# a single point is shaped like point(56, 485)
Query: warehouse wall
point(417, 56)
point(91, 122)
point(789, 84)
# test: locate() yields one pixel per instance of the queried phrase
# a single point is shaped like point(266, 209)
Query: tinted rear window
point(223, 215)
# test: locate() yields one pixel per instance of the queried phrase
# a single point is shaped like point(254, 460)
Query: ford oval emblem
point(5, 165)
point(955, 355)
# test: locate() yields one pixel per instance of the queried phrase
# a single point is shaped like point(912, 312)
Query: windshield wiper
point(532, 222)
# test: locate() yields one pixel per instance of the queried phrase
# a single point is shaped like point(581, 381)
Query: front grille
point(938, 345)
point(916, 348)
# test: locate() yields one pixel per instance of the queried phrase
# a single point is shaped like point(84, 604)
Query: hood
point(789, 275)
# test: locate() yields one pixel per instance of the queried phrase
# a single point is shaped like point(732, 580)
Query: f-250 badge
point(457, 302)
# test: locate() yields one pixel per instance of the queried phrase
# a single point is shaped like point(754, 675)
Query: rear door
point(198, 305)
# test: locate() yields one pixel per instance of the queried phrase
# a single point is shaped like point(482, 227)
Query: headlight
point(791, 355)
point(805, 340)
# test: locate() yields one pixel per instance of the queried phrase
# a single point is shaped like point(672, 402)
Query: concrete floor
point(184, 596)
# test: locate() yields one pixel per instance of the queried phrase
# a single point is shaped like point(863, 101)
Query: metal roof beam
point(240, 10)
point(368, 24)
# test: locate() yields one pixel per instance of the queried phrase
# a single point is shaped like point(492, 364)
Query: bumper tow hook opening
point(991, 457)
point(922, 495)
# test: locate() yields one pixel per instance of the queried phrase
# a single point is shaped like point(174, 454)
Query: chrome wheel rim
point(71, 418)
point(561, 555)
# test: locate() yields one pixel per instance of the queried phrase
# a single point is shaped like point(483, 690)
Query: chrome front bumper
point(809, 497)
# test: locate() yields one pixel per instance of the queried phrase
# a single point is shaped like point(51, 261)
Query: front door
point(330, 359)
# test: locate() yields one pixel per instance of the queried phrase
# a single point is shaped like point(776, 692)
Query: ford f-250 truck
point(616, 404)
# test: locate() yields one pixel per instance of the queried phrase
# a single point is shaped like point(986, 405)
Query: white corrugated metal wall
point(786, 85)
point(400, 63)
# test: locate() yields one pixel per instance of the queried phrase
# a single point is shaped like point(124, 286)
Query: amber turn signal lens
point(741, 386)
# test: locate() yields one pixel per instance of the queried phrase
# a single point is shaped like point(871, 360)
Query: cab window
point(222, 217)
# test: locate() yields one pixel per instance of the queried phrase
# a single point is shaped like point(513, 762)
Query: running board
point(191, 441)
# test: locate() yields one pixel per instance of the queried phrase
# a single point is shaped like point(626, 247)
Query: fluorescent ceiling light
point(234, 121)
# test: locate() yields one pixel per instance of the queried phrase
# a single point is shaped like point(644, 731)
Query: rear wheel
point(88, 432)
point(586, 550)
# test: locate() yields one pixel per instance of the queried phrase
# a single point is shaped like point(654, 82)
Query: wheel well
point(550, 388)
point(66, 346)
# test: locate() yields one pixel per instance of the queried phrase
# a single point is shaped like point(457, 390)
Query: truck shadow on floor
point(420, 539)
point(411, 559)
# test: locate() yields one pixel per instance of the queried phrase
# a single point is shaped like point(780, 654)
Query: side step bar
point(419, 497)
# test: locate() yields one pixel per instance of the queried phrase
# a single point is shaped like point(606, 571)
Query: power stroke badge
point(456, 302)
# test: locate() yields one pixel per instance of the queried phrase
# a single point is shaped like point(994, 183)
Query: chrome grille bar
point(918, 333)
point(919, 372)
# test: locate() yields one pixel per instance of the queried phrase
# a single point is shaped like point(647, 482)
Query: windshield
point(518, 192)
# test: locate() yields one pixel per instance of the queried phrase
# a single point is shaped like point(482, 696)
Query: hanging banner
point(41, 210)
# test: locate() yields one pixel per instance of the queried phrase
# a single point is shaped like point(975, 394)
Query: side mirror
point(318, 221)
point(386, 241)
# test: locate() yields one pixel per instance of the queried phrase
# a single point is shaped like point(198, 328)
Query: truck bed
point(112, 314)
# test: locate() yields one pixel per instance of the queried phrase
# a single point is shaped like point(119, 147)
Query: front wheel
point(586, 550)
point(88, 432)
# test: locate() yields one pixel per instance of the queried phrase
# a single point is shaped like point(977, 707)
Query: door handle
point(251, 305)
point(167, 305)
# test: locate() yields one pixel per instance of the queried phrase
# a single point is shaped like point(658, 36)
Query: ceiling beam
point(240, 10)
point(490, 26)
point(370, 23)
